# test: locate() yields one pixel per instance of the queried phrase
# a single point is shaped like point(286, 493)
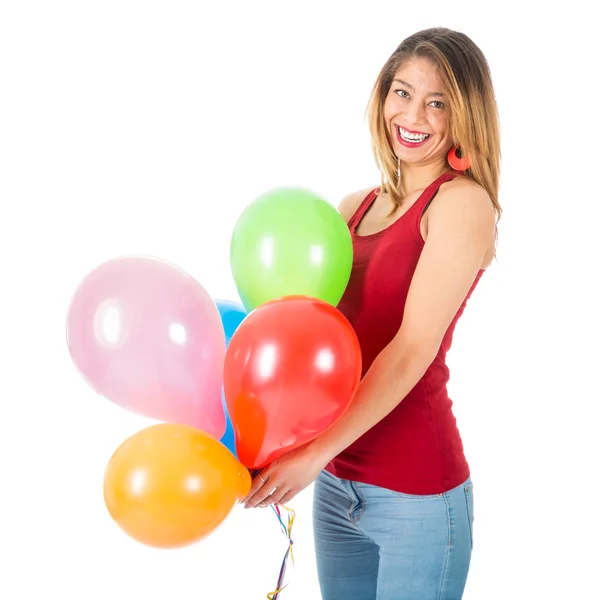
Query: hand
point(285, 477)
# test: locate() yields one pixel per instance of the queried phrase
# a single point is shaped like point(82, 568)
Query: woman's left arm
point(461, 229)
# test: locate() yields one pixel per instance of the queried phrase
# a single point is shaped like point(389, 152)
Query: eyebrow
point(410, 87)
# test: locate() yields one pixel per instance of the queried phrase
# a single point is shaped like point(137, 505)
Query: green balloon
point(288, 242)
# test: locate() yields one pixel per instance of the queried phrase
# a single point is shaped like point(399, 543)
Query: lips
point(404, 136)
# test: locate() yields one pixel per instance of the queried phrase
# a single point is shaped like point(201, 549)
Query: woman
point(393, 504)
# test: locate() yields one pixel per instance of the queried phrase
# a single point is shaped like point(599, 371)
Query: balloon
point(146, 335)
point(170, 485)
point(290, 371)
point(228, 438)
point(232, 314)
point(288, 242)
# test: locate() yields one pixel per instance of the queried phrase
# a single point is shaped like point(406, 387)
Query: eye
point(437, 104)
point(401, 93)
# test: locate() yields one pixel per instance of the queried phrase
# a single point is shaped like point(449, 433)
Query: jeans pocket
point(470, 513)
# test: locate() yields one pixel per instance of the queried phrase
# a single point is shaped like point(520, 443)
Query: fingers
point(262, 488)
point(287, 497)
point(267, 490)
point(276, 496)
point(257, 484)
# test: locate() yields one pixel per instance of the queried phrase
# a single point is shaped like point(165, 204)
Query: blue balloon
point(232, 314)
point(228, 439)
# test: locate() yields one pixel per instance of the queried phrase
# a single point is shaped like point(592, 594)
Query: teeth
point(412, 137)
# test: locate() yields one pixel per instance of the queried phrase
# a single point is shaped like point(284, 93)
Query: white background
point(146, 127)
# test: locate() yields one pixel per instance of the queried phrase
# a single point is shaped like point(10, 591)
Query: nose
point(414, 113)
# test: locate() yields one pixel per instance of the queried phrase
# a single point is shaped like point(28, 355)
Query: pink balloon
point(146, 335)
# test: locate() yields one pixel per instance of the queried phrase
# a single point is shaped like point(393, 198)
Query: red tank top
point(417, 448)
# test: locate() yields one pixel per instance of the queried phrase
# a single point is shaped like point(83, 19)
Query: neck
point(417, 177)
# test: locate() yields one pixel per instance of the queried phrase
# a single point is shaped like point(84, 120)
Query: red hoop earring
point(458, 164)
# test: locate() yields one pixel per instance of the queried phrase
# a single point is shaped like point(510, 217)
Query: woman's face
point(415, 113)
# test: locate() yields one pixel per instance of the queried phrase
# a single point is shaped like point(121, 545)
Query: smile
point(410, 138)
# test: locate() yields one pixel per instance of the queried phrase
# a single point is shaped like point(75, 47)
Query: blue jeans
point(376, 544)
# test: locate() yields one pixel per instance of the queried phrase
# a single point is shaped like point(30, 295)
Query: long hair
point(469, 95)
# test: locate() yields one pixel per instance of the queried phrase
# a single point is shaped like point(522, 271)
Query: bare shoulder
point(350, 203)
point(463, 213)
point(466, 194)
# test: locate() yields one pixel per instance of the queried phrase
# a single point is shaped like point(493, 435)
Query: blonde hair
point(469, 95)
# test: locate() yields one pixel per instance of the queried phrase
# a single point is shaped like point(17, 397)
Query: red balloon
point(291, 370)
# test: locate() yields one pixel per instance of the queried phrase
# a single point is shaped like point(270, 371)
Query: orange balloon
point(170, 485)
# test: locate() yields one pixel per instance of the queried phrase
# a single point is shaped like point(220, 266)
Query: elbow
point(419, 353)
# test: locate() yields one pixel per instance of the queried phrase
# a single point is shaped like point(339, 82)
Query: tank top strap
point(425, 199)
point(363, 207)
point(431, 190)
point(417, 209)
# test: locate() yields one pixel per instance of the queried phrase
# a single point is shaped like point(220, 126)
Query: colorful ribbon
point(287, 530)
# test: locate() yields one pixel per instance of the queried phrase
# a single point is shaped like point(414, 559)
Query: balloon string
point(287, 530)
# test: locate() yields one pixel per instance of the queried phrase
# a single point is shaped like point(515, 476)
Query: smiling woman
point(435, 94)
point(398, 104)
point(393, 504)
